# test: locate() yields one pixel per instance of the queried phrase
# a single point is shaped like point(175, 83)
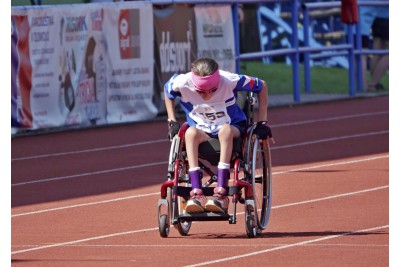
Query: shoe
point(196, 202)
point(220, 201)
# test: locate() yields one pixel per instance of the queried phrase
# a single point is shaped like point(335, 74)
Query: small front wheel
point(183, 227)
point(251, 225)
point(163, 225)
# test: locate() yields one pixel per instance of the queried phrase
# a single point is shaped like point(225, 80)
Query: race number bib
point(210, 117)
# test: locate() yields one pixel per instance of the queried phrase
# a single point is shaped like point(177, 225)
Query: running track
point(89, 197)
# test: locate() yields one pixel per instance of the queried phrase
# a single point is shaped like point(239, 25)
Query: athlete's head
point(205, 75)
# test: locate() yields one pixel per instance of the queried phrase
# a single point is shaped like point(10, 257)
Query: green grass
point(323, 80)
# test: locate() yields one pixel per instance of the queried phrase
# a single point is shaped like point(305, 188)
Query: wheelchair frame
point(254, 163)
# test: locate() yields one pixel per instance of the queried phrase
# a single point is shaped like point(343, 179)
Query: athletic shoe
point(196, 202)
point(219, 203)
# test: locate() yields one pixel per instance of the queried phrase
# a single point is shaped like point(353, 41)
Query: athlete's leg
point(197, 201)
point(193, 138)
point(220, 201)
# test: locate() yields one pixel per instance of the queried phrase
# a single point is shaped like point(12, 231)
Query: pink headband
point(206, 83)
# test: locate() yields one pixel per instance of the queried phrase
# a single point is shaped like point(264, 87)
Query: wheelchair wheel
point(163, 225)
point(251, 224)
point(178, 204)
point(261, 179)
point(177, 208)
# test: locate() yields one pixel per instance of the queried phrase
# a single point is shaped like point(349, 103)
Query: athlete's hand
point(263, 130)
point(173, 129)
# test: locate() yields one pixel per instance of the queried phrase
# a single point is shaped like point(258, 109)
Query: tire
point(163, 225)
point(251, 227)
point(177, 205)
point(177, 209)
point(261, 179)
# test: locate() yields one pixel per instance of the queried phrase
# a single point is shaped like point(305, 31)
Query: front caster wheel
point(163, 225)
point(251, 223)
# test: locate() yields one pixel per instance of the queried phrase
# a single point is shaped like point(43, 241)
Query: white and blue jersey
point(210, 115)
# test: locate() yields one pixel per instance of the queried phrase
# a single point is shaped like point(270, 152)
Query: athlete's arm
point(263, 102)
point(170, 107)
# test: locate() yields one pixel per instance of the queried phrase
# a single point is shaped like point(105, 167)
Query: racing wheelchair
point(250, 186)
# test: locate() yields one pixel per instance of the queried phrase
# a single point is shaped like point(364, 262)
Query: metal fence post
point(295, 56)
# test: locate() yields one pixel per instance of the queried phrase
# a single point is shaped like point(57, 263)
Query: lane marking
point(165, 162)
point(331, 197)
point(288, 246)
point(329, 140)
point(206, 246)
point(164, 140)
point(85, 204)
point(156, 228)
point(90, 150)
point(157, 193)
point(89, 173)
point(332, 164)
point(83, 240)
point(344, 117)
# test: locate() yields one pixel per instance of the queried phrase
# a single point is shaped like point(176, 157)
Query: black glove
point(263, 130)
point(173, 129)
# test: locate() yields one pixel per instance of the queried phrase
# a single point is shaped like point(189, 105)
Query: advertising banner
point(21, 73)
point(82, 65)
point(175, 47)
point(130, 63)
point(215, 35)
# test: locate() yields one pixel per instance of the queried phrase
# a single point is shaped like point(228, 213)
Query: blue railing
point(351, 52)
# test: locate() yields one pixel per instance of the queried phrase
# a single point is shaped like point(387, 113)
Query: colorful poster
point(83, 65)
point(21, 74)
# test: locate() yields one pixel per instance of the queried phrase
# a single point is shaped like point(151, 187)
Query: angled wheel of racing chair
point(251, 183)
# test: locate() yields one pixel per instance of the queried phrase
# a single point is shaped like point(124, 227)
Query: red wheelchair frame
point(251, 159)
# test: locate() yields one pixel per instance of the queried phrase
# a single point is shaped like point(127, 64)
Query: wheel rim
point(261, 181)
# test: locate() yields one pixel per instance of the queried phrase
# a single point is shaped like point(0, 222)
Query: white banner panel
point(215, 35)
point(130, 40)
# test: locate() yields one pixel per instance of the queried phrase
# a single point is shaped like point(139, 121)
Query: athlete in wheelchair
point(217, 133)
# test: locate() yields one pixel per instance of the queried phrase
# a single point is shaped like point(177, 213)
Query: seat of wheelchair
point(210, 150)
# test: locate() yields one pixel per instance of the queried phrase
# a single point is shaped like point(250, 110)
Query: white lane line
point(236, 245)
point(331, 197)
point(91, 150)
point(157, 193)
point(329, 140)
point(288, 246)
point(89, 173)
point(83, 240)
point(164, 162)
point(164, 140)
point(331, 119)
point(332, 164)
point(86, 204)
point(156, 228)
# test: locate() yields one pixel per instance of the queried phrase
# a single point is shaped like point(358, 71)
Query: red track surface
point(89, 198)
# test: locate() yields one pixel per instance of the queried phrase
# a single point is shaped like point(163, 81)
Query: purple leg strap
point(223, 177)
point(195, 178)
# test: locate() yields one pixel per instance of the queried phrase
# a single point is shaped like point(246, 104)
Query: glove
point(173, 129)
point(263, 130)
